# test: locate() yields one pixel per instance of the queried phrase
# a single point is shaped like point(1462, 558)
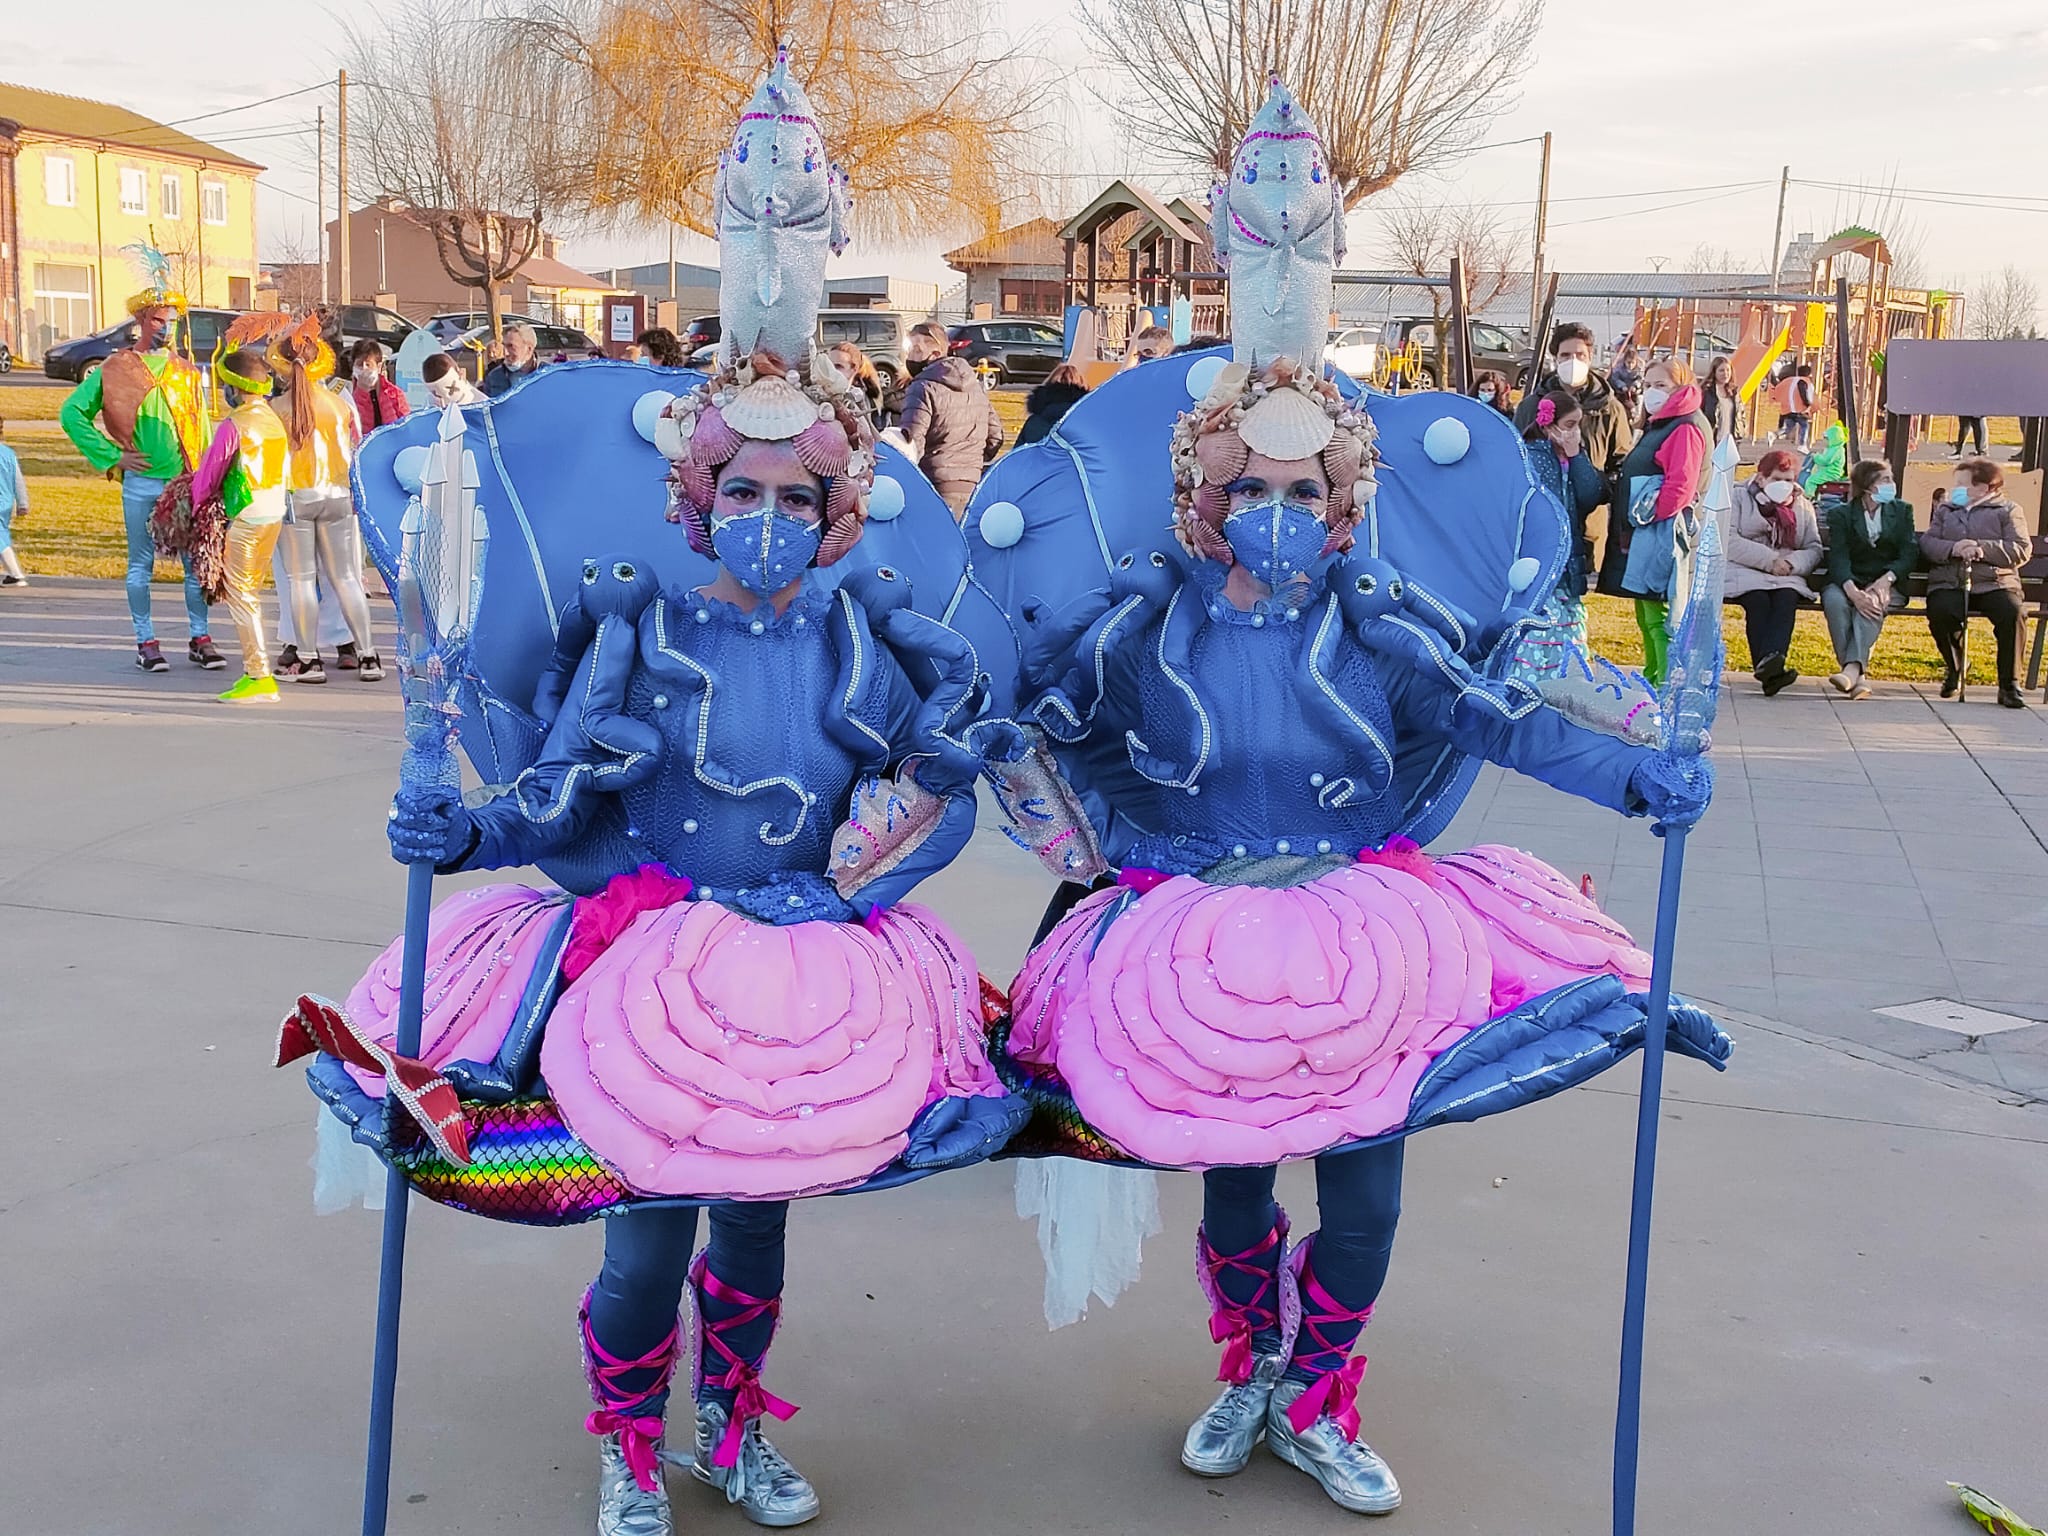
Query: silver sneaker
point(768, 1490)
point(624, 1508)
point(1351, 1472)
point(1220, 1442)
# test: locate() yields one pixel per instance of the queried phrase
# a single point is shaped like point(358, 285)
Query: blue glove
point(430, 823)
point(1672, 790)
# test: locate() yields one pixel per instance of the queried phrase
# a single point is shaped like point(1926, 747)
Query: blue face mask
point(1276, 540)
point(1887, 492)
point(765, 551)
point(1959, 495)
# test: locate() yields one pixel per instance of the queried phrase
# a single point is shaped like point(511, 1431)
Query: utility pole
point(320, 194)
point(341, 188)
point(1536, 259)
point(1777, 257)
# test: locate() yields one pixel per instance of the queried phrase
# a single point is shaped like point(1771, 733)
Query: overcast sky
point(1939, 97)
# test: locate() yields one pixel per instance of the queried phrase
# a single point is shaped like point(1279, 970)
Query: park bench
point(2033, 591)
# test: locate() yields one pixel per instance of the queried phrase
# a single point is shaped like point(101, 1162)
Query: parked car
point(372, 322)
point(880, 333)
point(1355, 352)
point(1492, 348)
point(703, 331)
point(450, 325)
point(72, 360)
point(1012, 351)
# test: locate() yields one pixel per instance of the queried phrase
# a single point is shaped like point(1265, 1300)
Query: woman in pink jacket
point(1773, 542)
point(1661, 478)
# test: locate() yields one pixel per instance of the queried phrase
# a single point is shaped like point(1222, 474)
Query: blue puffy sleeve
point(593, 749)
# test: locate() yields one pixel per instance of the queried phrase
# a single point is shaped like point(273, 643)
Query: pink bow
point(750, 1401)
point(637, 1439)
point(1335, 1394)
point(1235, 1335)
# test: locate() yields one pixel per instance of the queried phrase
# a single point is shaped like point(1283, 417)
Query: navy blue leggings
point(639, 1290)
point(1358, 1195)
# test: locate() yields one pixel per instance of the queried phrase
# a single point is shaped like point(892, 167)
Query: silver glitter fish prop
point(1278, 229)
point(782, 209)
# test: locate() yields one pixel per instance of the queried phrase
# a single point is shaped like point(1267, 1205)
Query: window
point(63, 304)
point(172, 196)
point(213, 202)
point(134, 190)
point(60, 181)
point(238, 293)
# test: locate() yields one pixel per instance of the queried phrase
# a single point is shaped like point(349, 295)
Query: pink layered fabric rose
point(482, 946)
point(1219, 1025)
point(704, 1054)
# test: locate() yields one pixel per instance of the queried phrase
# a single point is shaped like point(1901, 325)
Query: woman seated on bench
point(1975, 548)
point(1773, 546)
point(1872, 551)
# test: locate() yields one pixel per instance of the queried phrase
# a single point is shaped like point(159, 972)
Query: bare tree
point(1877, 207)
point(297, 261)
point(1395, 85)
point(472, 134)
point(1712, 259)
point(2006, 306)
point(932, 117)
point(1421, 235)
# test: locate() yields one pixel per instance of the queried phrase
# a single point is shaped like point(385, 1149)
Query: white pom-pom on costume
point(1001, 524)
point(407, 465)
point(1202, 376)
point(647, 410)
point(345, 1172)
point(885, 499)
point(1446, 440)
point(1523, 572)
point(1093, 1220)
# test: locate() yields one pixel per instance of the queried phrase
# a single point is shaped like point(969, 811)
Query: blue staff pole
point(412, 983)
point(1628, 1418)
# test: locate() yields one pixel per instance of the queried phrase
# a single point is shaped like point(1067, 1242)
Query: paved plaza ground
point(1847, 1276)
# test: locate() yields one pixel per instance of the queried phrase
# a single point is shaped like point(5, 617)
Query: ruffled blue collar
point(812, 602)
point(1281, 608)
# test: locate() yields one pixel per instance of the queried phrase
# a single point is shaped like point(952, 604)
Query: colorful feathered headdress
point(156, 272)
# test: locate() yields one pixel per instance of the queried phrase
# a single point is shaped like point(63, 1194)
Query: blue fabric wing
point(1458, 512)
point(565, 475)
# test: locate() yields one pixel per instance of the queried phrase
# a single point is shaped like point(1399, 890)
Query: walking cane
point(1687, 706)
point(440, 576)
point(1963, 642)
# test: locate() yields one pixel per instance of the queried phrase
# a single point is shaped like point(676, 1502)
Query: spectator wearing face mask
point(1975, 548)
point(1555, 444)
point(445, 383)
point(1605, 427)
point(1673, 456)
point(522, 357)
point(1872, 550)
point(660, 349)
point(1773, 541)
point(949, 421)
point(377, 398)
point(1492, 388)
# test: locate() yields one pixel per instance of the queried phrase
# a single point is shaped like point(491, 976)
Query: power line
point(1881, 192)
point(247, 105)
point(1979, 201)
point(1630, 213)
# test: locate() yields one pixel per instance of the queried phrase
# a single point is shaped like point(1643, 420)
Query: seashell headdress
point(1278, 228)
point(781, 209)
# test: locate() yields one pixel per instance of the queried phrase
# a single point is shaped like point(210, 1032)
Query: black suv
point(1015, 351)
point(700, 332)
point(72, 360)
point(372, 322)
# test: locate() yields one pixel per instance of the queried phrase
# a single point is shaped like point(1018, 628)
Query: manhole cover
point(1957, 1018)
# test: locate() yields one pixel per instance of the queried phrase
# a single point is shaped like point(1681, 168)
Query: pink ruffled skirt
point(704, 1055)
point(1221, 1025)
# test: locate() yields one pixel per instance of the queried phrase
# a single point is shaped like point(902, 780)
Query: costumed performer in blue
point(1253, 719)
point(718, 1021)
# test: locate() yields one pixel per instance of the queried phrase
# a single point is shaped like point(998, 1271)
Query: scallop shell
point(714, 440)
point(1287, 425)
point(822, 448)
point(771, 410)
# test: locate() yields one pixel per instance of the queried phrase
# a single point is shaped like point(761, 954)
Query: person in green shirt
point(143, 414)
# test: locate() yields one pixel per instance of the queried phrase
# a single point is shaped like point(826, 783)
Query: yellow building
point(88, 178)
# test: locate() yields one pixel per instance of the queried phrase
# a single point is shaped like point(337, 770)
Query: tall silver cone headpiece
point(782, 209)
point(1278, 229)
